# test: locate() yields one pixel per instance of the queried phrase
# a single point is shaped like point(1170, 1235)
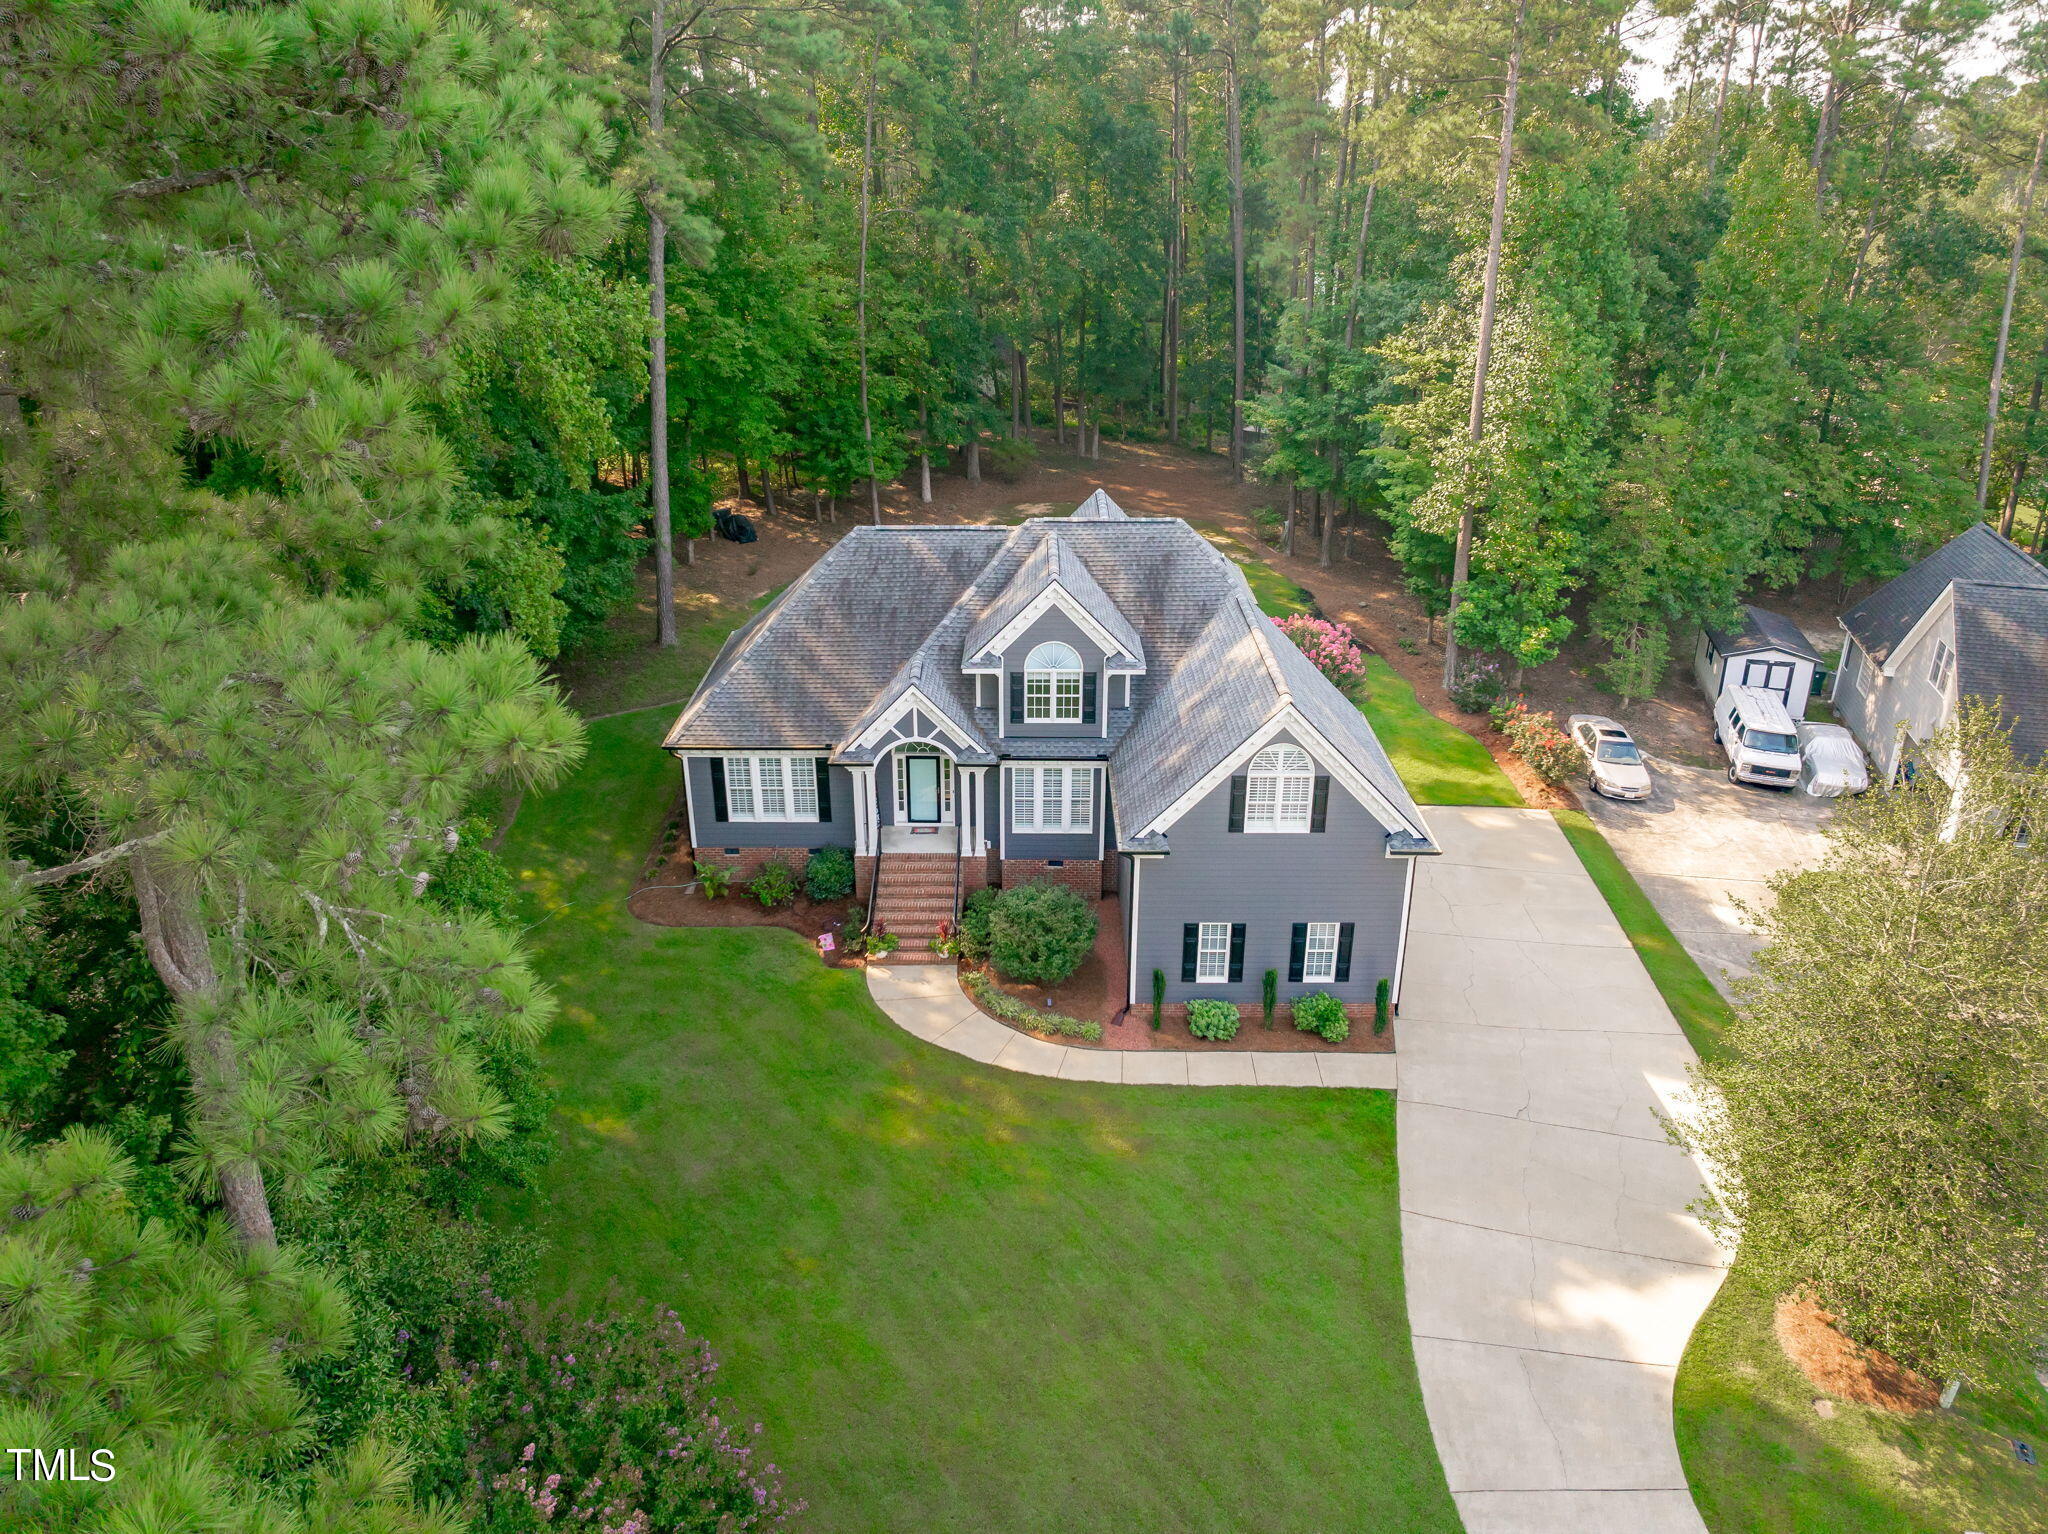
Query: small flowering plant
point(1537, 740)
point(603, 1423)
point(1328, 646)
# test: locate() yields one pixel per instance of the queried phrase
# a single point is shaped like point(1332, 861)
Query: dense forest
point(331, 337)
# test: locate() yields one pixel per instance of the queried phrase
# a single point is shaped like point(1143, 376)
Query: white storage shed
point(1767, 651)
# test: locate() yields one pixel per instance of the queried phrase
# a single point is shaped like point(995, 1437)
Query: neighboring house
point(1767, 651)
point(1095, 700)
point(1969, 621)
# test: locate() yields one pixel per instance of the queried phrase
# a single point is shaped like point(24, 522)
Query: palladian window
point(1052, 685)
point(1280, 790)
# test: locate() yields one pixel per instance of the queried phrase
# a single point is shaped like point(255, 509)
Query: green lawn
point(1439, 762)
point(956, 1297)
point(1700, 1009)
point(1762, 1461)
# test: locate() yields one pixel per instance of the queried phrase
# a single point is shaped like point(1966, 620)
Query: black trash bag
point(734, 528)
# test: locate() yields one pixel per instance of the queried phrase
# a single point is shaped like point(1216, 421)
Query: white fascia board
point(1938, 609)
point(1289, 720)
point(1056, 595)
point(908, 699)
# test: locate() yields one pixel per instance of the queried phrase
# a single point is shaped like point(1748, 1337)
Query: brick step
point(908, 930)
point(890, 878)
point(915, 905)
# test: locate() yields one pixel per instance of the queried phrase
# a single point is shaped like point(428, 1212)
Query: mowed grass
point(959, 1298)
point(1700, 1009)
point(1761, 1460)
point(1439, 762)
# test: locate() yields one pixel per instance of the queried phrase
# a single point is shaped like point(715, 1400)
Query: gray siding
point(1876, 706)
point(1054, 625)
point(1269, 882)
point(707, 832)
point(1037, 844)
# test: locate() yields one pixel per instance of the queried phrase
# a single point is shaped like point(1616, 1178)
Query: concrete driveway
point(1553, 1271)
point(1699, 844)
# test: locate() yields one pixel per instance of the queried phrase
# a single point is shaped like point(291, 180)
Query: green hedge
point(1213, 1020)
point(993, 999)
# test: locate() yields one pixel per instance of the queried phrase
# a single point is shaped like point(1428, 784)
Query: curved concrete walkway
point(926, 999)
point(1554, 1274)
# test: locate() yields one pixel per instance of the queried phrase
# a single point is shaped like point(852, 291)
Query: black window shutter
point(1016, 697)
point(1190, 940)
point(1344, 930)
point(1236, 951)
point(1297, 951)
point(1237, 803)
point(718, 788)
point(1319, 816)
point(824, 788)
point(1088, 698)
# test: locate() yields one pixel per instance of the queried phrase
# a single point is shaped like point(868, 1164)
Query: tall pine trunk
point(2012, 285)
point(1234, 132)
point(867, 176)
point(2019, 468)
point(1461, 559)
point(174, 937)
point(657, 370)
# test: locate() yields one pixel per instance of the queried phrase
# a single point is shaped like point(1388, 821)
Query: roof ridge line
point(1259, 624)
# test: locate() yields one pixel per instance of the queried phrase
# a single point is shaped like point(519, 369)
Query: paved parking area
point(1699, 844)
point(1553, 1270)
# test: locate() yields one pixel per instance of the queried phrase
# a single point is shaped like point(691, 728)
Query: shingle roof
point(1099, 508)
point(2002, 656)
point(896, 606)
point(1888, 614)
point(1763, 630)
point(1051, 560)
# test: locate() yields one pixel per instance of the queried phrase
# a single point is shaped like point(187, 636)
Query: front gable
point(913, 716)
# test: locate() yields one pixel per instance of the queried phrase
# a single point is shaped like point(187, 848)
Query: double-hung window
point(1941, 666)
point(1319, 957)
point(1052, 798)
point(1212, 953)
point(1280, 790)
point(1052, 685)
point(771, 788)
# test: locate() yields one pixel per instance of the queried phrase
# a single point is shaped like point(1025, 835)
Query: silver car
point(1614, 764)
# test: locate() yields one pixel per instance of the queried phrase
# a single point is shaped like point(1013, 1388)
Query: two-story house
point(1093, 699)
point(1969, 621)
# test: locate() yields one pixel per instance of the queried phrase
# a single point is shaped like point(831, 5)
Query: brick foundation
point(863, 877)
point(974, 874)
point(747, 862)
point(1081, 875)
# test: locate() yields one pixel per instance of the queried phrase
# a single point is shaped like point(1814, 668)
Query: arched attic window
point(1280, 790)
point(1052, 685)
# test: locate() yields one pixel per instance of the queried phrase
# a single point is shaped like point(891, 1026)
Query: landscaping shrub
point(1158, 996)
point(1478, 687)
point(1382, 1005)
point(1040, 932)
point(1269, 996)
point(975, 912)
point(1008, 459)
point(604, 1422)
point(1320, 1012)
point(1328, 646)
point(997, 1002)
point(828, 875)
point(714, 879)
point(776, 884)
point(1212, 1019)
point(1536, 739)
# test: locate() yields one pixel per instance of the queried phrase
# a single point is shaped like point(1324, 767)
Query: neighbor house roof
point(2002, 656)
point(1888, 614)
point(891, 607)
point(1761, 629)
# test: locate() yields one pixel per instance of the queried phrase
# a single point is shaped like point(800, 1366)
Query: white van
point(1758, 732)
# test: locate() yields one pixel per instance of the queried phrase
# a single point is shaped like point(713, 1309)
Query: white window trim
point(1062, 687)
point(1027, 808)
point(1204, 953)
point(1287, 785)
point(797, 778)
point(1941, 667)
point(1327, 974)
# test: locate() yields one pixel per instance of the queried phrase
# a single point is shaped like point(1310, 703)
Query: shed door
point(1771, 675)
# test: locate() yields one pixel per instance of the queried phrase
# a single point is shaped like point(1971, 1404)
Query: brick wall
point(747, 862)
point(1081, 875)
point(863, 877)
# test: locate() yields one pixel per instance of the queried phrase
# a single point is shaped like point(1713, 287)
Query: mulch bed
point(688, 908)
point(1097, 990)
point(1843, 1367)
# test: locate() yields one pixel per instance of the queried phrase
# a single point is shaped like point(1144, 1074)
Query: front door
point(921, 790)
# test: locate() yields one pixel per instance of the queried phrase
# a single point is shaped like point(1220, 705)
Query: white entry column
point(974, 804)
point(866, 817)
